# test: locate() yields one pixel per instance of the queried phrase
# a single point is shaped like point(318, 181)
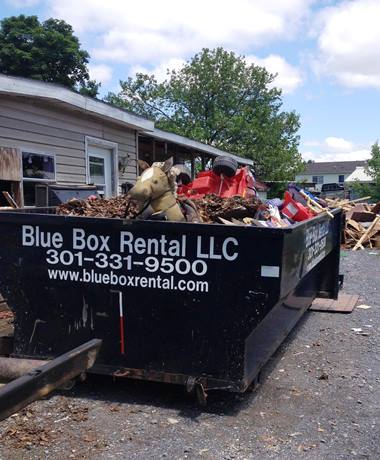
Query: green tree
point(373, 164)
point(90, 88)
point(218, 99)
point(373, 170)
point(47, 51)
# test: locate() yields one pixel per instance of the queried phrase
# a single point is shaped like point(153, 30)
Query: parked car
point(333, 191)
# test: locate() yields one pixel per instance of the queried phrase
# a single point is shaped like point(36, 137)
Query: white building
point(328, 172)
point(359, 175)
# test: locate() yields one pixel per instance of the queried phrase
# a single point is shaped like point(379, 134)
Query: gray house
point(50, 134)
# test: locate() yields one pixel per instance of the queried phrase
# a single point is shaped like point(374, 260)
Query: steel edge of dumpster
point(220, 338)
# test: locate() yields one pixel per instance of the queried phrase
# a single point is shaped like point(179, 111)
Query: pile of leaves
point(211, 207)
point(117, 207)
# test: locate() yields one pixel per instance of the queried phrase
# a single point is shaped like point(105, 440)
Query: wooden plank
point(10, 200)
point(10, 164)
point(345, 304)
point(367, 234)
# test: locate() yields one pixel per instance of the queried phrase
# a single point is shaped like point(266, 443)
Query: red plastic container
point(295, 210)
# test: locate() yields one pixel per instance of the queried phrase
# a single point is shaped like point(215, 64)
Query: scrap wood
point(376, 208)
point(314, 204)
point(344, 304)
point(10, 200)
point(369, 231)
point(358, 227)
point(363, 198)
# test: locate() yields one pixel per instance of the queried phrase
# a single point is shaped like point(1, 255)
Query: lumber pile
point(362, 228)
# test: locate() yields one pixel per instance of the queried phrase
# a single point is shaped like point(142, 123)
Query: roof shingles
point(333, 167)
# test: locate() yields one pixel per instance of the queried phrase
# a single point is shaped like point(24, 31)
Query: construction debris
point(213, 208)
point(362, 223)
point(362, 227)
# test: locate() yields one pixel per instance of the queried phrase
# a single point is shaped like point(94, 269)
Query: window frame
point(317, 181)
point(114, 146)
point(38, 152)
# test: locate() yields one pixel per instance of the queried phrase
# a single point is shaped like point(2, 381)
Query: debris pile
point(362, 228)
point(213, 208)
point(122, 207)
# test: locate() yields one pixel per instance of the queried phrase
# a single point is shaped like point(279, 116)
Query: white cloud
point(338, 144)
point(100, 72)
point(354, 155)
point(334, 149)
point(149, 33)
point(289, 77)
point(159, 71)
point(348, 43)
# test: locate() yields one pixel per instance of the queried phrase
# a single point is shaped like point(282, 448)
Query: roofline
point(196, 145)
point(18, 86)
point(324, 172)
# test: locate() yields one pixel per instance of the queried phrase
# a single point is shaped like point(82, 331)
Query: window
point(36, 167)
point(318, 179)
point(341, 178)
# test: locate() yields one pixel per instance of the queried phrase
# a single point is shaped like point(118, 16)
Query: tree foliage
point(373, 164)
point(218, 99)
point(373, 170)
point(47, 51)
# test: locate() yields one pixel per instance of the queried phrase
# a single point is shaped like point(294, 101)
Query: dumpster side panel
point(310, 268)
point(164, 297)
point(312, 245)
point(206, 301)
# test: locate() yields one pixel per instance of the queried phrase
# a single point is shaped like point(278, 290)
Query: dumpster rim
point(44, 217)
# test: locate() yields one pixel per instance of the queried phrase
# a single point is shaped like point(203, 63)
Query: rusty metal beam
point(46, 378)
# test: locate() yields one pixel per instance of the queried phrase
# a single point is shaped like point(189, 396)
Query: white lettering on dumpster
point(127, 255)
point(316, 241)
point(33, 236)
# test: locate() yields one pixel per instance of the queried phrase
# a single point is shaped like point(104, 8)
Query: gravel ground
point(319, 399)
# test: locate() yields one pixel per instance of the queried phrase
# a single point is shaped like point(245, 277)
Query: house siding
point(327, 178)
point(43, 127)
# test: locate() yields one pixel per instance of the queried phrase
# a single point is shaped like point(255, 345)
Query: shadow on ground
point(170, 396)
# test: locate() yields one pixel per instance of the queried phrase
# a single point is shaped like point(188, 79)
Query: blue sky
point(326, 53)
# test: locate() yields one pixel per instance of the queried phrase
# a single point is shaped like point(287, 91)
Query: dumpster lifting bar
point(44, 379)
